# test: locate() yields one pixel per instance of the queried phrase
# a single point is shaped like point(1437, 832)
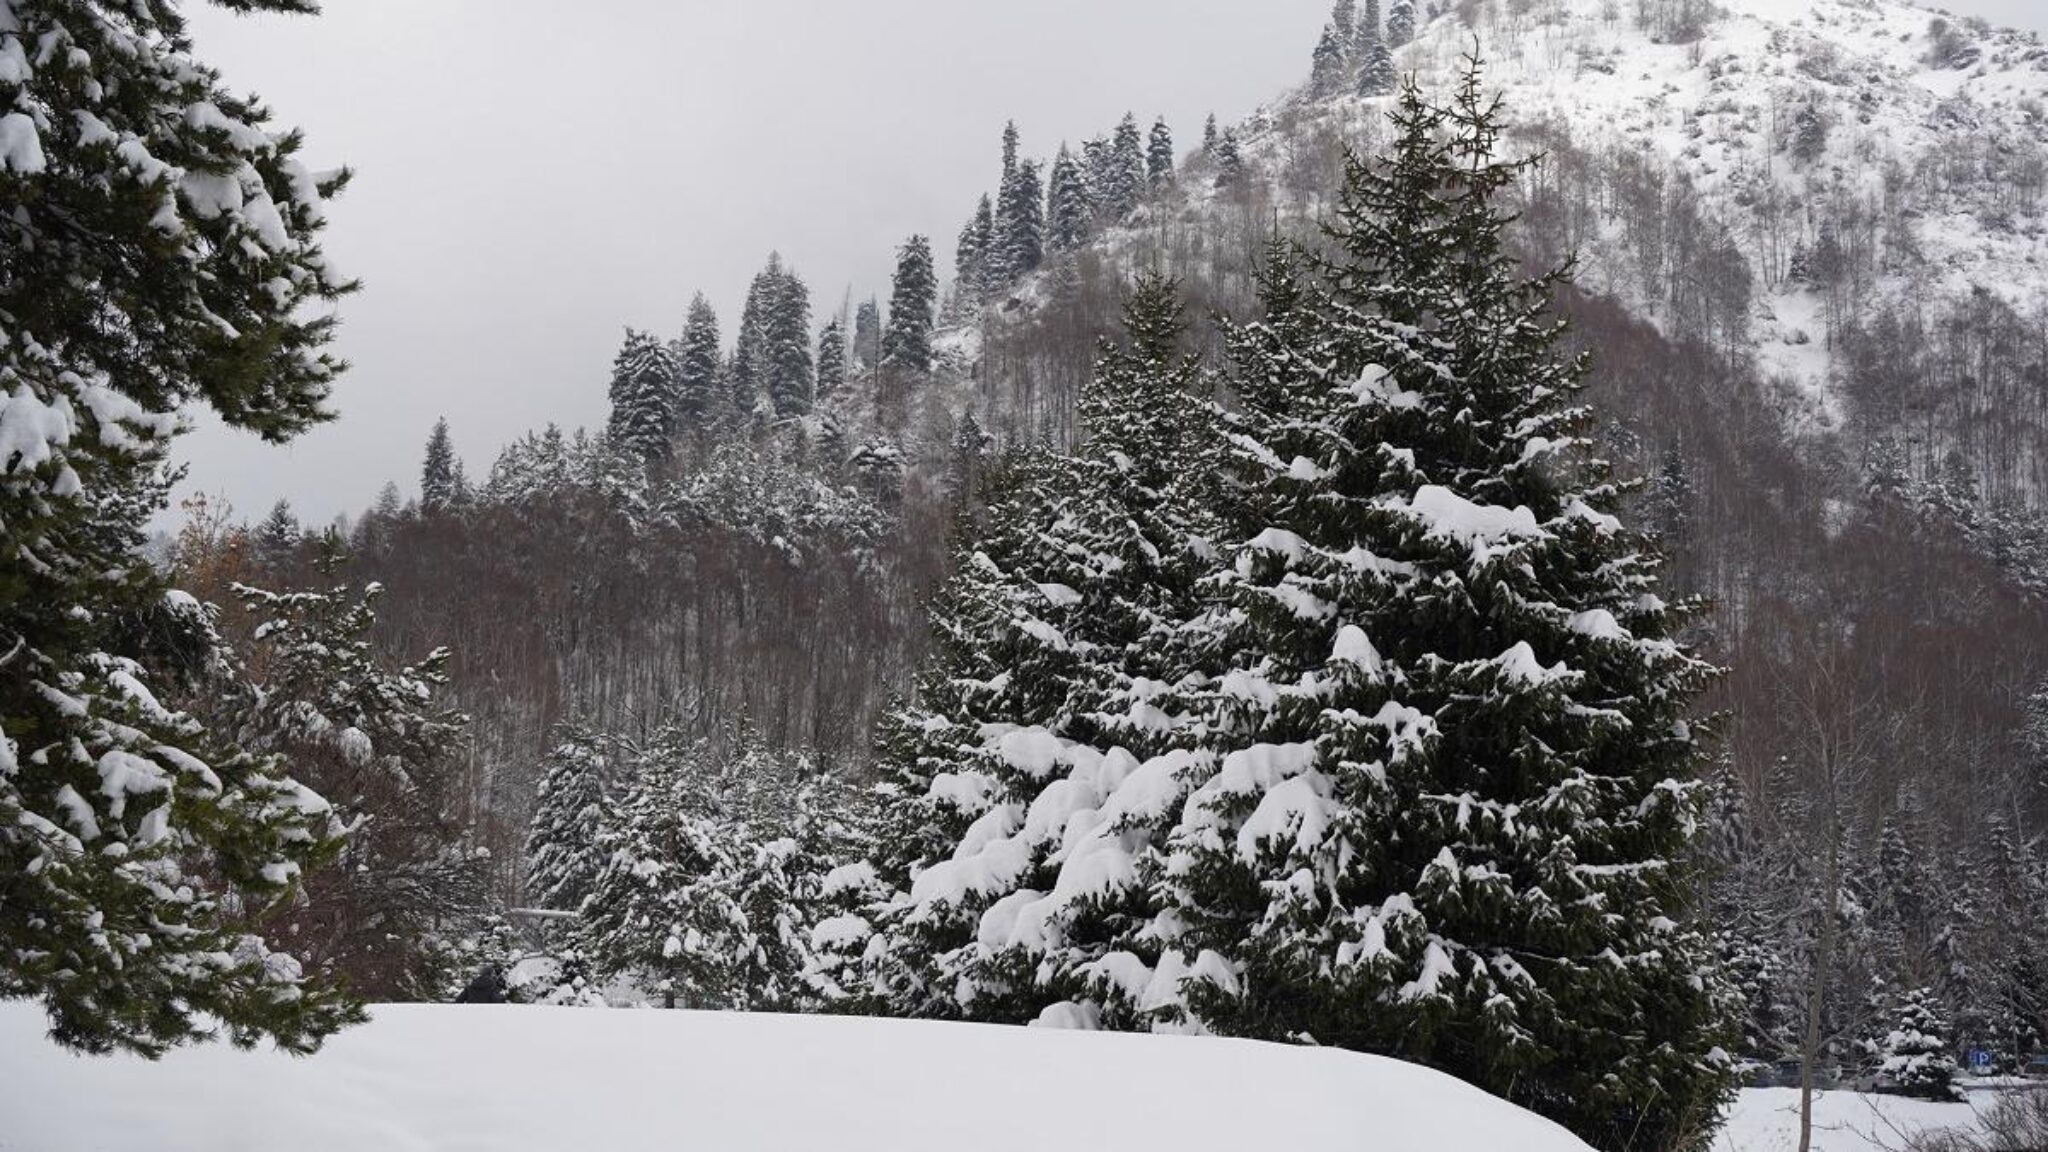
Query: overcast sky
point(531, 176)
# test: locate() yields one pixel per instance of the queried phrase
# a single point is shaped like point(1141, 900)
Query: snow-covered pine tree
point(749, 369)
point(564, 839)
point(663, 909)
point(913, 302)
point(790, 372)
point(1374, 57)
point(1210, 136)
point(1068, 215)
point(971, 254)
point(437, 472)
point(831, 359)
point(1331, 64)
point(1020, 227)
point(643, 396)
point(1344, 18)
point(1457, 781)
point(1059, 637)
point(276, 540)
point(1915, 1050)
point(1159, 156)
point(1127, 179)
point(1229, 163)
point(1367, 31)
point(409, 884)
point(867, 335)
point(1400, 23)
point(136, 846)
point(699, 397)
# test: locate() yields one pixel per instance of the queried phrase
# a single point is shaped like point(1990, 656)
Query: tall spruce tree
point(748, 370)
point(1068, 215)
point(1344, 18)
point(565, 838)
point(1327, 74)
point(791, 375)
point(1400, 23)
point(913, 303)
point(1376, 76)
point(699, 397)
point(1159, 158)
point(1210, 136)
point(971, 254)
point(1457, 757)
point(643, 392)
point(831, 360)
point(1020, 226)
point(1230, 174)
point(437, 473)
point(867, 335)
point(1055, 637)
point(1126, 180)
point(156, 261)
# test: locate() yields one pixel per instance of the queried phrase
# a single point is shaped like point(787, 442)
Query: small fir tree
point(1915, 1051)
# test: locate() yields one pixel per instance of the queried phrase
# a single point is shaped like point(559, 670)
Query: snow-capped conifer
point(643, 396)
point(971, 254)
point(867, 335)
point(437, 473)
point(1374, 57)
point(1126, 178)
point(1020, 226)
point(1344, 18)
point(699, 396)
point(1914, 1052)
point(564, 840)
point(162, 256)
point(1456, 756)
point(831, 360)
point(277, 539)
point(1068, 214)
point(1210, 136)
point(1159, 157)
point(913, 303)
point(1327, 75)
point(790, 374)
point(1229, 163)
point(1400, 23)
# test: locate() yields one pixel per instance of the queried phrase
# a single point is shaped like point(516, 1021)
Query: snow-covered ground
point(1767, 1120)
point(552, 1079)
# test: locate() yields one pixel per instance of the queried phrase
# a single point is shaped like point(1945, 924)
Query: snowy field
point(478, 1079)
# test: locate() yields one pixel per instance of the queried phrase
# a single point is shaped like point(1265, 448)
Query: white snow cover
point(513, 1079)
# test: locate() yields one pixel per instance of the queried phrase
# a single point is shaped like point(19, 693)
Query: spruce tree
point(158, 261)
point(913, 302)
point(1456, 787)
point(1210, 137)
point(564, 839)
point(971, 254)
point(437, 474)
point(1230, 175)
point(1914, 1051)
point(1159, 158)
point(1126, 179)
point(749, 369)
point(1054, 638)
point(643, 397)
point(1326, 76)
point(698, 358)
point(1068, 215)
point(1020, 226)
point(1400, 23)
point(1376, 75)
point(790, 373)
point(867, 335)
point(1344, 18)
point(831, 360)
point(277, 538)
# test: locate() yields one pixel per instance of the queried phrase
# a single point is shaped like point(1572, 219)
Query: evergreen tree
point(1229, 164)
point(1376, 76)
point(751, 356)
point(156, 262)
point(867, 335)
point(1159, 158)
point(1054, 636)
point(831, 359)
point(1400, 23)
point(643, 393)
point(437, 474)
point(277, 538)
point(791, 374)
point(1344, 18)
point(1368, 30)
point(971, 255)
point(1326, 77)
point(565, 837)
point(390, 914)
point(1020, 226)
point(1127, 178)
point(1068, 214)
point(913, 302)
point(1915, 1051)
point(698, 389)
point(1456, 760)
point(1210, 137)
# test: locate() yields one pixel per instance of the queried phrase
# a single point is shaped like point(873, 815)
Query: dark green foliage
point(437, 472)
point(913, 304)
point(1159, 158)
point(1069, 215)
point(699, 397)
point(643, 396)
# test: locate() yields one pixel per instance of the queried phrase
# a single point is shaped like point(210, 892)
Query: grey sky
point(533, 176)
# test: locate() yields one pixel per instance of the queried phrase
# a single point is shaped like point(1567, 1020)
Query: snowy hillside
point(542, 1080)
point(1917, 147)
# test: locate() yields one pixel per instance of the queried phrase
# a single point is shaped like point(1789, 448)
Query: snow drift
point(523, 1079)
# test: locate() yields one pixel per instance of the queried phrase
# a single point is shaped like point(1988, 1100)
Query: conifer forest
point(1503, 589)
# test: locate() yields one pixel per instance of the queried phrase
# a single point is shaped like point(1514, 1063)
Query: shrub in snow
point(1916, 1059)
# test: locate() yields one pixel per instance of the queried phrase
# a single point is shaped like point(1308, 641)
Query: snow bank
point(1767, 1120)
point(552, 1079)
